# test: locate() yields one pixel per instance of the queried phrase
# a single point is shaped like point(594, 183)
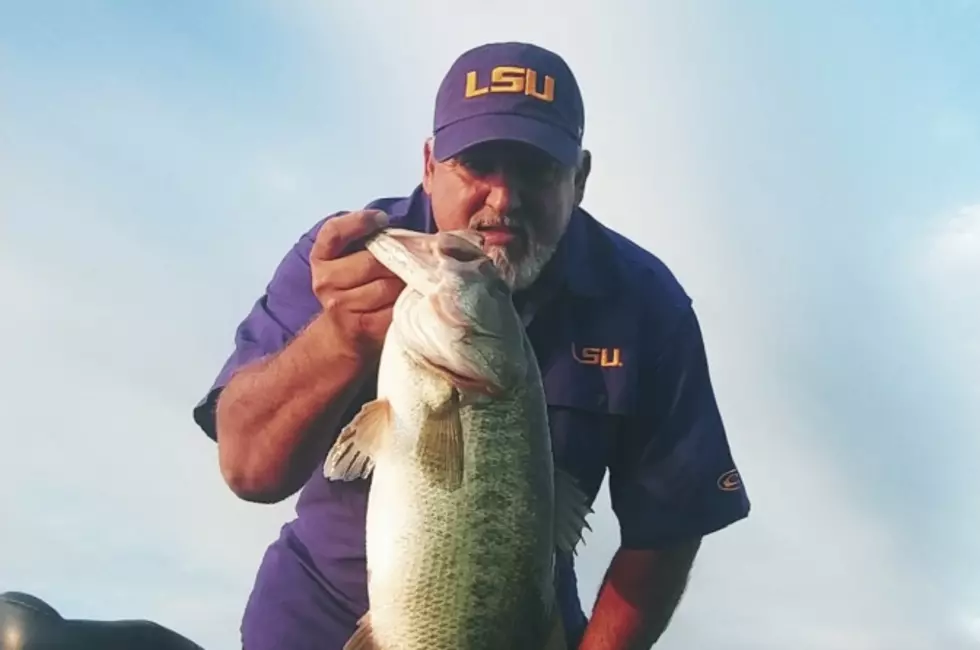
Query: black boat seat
point(29, 623)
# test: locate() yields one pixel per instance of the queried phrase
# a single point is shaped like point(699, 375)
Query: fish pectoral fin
point(571, 509)
point(556, 639)
point(352, 455)
point(362, 639)
point(440, 445)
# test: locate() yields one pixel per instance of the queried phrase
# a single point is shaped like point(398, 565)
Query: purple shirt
point(628, 391)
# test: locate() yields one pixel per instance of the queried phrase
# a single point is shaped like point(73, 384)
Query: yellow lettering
point(613, 362)
point(511, 79)
point(471, 86)
point(547, 94)
point(507, 79)
point(604, 357)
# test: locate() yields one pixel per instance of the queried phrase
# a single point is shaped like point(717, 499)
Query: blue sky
point(810, 171)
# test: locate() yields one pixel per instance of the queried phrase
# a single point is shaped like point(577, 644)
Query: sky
point(809, 171)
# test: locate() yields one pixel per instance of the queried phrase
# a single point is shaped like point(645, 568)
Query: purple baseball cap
point(509, 91)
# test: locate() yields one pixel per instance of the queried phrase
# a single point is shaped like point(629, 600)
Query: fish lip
point(409, 254)
point(465, 246)
point(470, 235)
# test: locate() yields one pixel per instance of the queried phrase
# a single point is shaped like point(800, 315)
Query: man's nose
point(504, 193)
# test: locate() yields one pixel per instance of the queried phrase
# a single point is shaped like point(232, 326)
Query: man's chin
point(517, 271)
point(503, 263)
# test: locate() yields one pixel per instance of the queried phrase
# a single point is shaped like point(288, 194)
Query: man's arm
point(301, 359)
point(672, 482)
point(276, 414)
point(638, 596)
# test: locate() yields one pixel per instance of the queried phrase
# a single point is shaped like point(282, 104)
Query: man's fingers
point(369, 297)
point(354, 286)
point(376, 323)
point(337, 233)
point(348, 272)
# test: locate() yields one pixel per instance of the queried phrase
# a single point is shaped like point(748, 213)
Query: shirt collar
point(579, 259)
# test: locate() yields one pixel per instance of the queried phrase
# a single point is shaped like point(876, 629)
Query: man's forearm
point(273, 417)
point(639, 594)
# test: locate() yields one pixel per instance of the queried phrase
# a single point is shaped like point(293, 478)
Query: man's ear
point(582, 175)
point(428, 164)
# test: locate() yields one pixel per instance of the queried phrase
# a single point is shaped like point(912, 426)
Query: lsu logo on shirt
point(604, 357)
point(511, 79)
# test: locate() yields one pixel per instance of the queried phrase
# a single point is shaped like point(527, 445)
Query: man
point(619, 346)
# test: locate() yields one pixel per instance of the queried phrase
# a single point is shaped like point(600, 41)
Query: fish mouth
point(420, 259)
point(410, 255)
point(464, 246)
point(438, 268)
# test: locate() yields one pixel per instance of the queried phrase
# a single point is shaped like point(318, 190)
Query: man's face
point(517, 196)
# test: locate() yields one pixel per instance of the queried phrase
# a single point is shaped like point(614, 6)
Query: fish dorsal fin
point(352, 455)
point(571, 509)
point(362, 639)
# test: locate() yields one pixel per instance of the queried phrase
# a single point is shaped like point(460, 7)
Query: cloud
point(116, 507)
point(972, 624)
point(140, 221)
point(955, 127)
point(955, 253)
point(750, 213)
point(948, 271)
point(953, 262)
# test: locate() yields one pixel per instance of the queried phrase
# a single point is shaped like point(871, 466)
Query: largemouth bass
point(466, 508)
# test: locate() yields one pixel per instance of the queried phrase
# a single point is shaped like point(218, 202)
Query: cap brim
point(461, 135)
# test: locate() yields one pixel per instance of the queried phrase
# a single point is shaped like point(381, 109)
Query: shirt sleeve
point(285, 307)
point(673, 476)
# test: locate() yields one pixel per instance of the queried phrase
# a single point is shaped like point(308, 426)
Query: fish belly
point(469, 569)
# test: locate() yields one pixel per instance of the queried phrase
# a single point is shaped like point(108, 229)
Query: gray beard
point(521, 273)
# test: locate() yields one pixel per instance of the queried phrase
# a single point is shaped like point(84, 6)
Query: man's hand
point(278, 415)
point(357, 292)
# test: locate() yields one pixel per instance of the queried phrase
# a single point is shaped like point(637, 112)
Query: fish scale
point(457, 561)
point(472, 555)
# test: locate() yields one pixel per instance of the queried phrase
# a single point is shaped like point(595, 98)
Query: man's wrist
point(329, 343)
point(638, 597)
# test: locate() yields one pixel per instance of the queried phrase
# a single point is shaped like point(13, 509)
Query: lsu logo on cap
point(511, 79)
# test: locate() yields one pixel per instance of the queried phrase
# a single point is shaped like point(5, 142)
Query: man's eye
point(537, 173)
point(478, 166)
point(532, 170)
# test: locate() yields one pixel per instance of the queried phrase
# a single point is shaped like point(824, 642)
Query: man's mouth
point(498, 235)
